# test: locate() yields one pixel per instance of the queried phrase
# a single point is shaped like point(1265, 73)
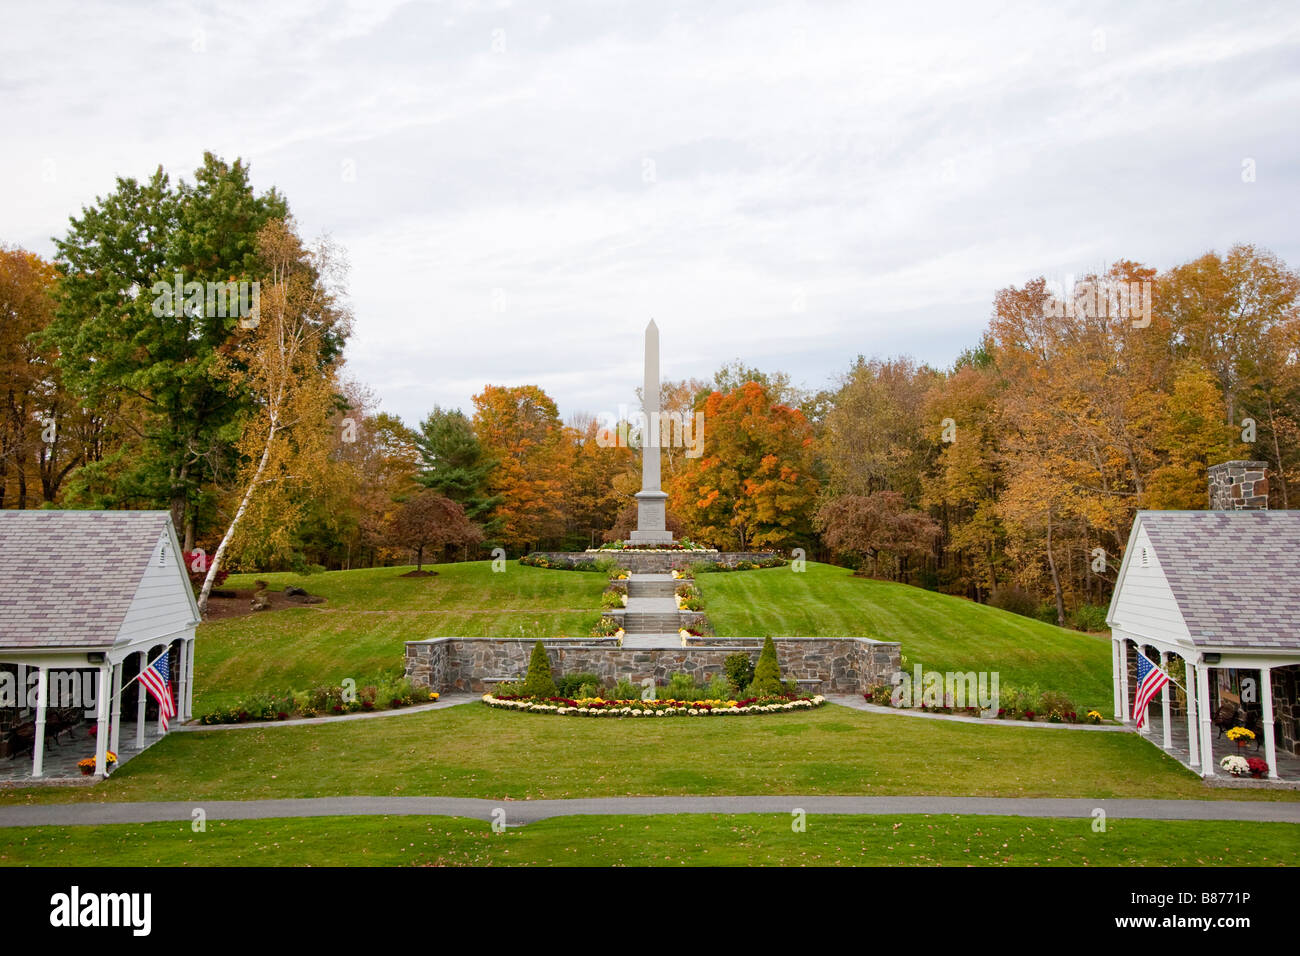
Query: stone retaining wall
point(654, 562)
point(840, 665)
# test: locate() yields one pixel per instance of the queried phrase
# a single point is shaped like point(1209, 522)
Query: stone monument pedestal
point(651, 514)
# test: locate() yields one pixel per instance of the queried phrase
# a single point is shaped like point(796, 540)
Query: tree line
point(1012, 476)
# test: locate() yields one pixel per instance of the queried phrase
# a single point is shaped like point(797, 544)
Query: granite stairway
point(652, 618)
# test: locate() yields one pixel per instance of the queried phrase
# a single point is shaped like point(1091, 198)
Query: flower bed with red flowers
point(599, 707)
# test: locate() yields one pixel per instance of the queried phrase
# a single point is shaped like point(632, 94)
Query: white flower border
point(530, 707)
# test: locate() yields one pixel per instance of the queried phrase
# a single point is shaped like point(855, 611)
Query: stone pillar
point(1266, 700)
point(1189, 684)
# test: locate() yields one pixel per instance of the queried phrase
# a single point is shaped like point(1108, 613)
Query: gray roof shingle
point(1235, 574)
point(67, 578)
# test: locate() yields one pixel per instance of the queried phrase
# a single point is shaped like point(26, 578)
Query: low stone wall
point(833, 665)
point(654, 562)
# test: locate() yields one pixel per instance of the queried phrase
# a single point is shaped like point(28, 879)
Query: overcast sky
point(521, 187)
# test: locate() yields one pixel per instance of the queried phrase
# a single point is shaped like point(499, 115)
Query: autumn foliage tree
point(429, 521)
point(877, 528)
point(287, 363)
point(754, 484)
point(520, 429)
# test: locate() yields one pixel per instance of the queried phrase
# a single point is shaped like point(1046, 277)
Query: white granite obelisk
point(651, 527)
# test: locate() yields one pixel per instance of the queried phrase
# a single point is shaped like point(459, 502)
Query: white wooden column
point(140, 702)
point(116, 708)
point(1166, 724)
point(1123, 715)
point(42, 697)
point(189, 684)
point(1115, 663)
point(102, 730)
point(1193, 744)
point(182, 678)
point(1203, 714)
point(1266, 700)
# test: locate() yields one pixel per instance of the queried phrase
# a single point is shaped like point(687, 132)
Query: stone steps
point(650, 589)
point(651, 623)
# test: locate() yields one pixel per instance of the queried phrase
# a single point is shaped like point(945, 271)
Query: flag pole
point(1163, 671)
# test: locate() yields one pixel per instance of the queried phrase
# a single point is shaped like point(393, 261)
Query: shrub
point(539, 682)
point(719, 688)
point(626, 690)
point(570, 685)
point(767, 672)
point(610, 600)
point(1017, 702)
point(586, 691)
point(680, 687)
point(740, 670)
point(1088, 617)
point(510, 688)
point(1016, 600)
point(1054, 704)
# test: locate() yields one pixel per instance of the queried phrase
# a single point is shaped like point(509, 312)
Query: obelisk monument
point(651, 527)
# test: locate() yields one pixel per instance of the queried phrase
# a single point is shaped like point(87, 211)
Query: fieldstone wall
point(654, 562)
point(838, 665)
point(1238, 485)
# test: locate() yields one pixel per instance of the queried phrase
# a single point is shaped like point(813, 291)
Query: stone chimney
point(1239, 486)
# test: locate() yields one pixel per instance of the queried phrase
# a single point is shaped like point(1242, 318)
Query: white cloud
point(826, 179)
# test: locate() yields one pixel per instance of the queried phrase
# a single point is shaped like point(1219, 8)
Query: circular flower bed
point(597, 707)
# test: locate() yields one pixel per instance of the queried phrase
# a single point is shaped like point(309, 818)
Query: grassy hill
point(937, 631)
point(369, 615)
point(359, 632)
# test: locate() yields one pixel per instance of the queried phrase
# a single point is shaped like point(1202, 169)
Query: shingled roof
point(1235, 574)
point(67, 578)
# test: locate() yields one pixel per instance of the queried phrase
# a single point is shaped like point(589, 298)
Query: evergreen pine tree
point(767, 672)
point(539, 682)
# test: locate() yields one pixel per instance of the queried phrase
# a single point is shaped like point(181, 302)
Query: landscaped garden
point(360, 630)
point(476, 751)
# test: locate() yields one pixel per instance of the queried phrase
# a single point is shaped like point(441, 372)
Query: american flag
point(1150, 680)
point(157, 678)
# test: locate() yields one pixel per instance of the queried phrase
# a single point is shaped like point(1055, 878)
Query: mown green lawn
point(476, 751)
point(940, 632)
point(686, 840)
point(368, 616)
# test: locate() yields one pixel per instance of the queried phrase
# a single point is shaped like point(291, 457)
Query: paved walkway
point(445, 700)
point(528, 811)
point(856, 702)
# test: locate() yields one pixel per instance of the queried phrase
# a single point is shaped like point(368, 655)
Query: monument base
point(651, 519)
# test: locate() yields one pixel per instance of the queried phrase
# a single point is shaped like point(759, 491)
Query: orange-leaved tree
point(520, 428)
point(754, 486)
